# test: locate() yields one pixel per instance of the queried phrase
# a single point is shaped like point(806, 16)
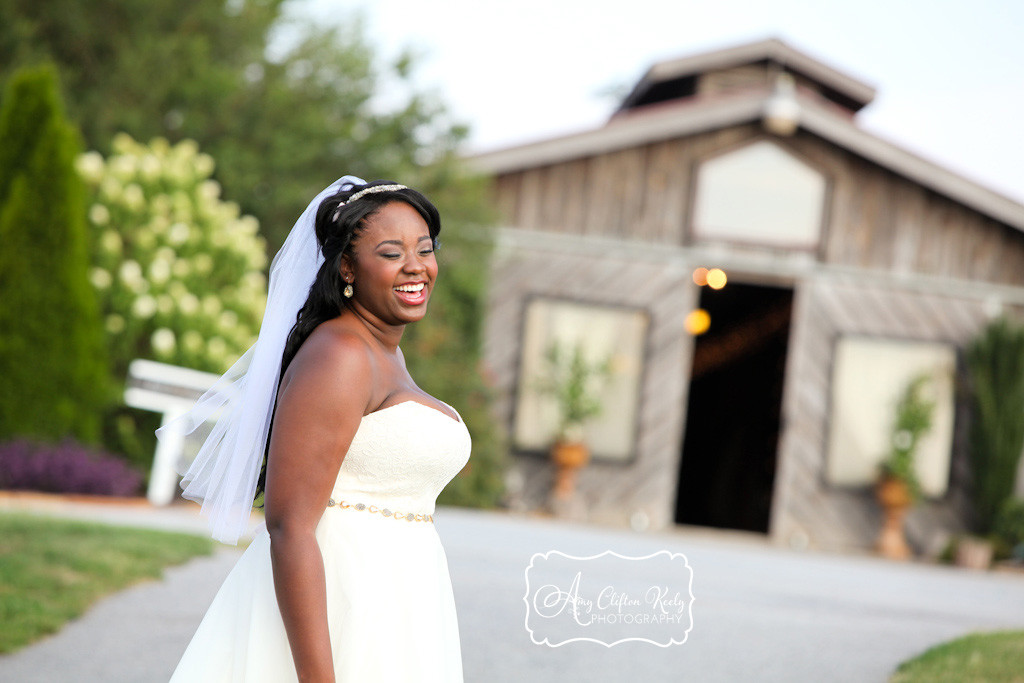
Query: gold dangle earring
point(348, 291)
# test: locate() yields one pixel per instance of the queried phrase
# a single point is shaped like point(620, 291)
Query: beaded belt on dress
point(407, 516)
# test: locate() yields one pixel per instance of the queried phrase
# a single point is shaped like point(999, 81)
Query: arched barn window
point(759, 194)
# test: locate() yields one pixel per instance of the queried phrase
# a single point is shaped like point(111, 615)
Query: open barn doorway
point(733, 416)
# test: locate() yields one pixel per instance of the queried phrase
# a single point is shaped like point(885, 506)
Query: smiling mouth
point(418, 287)
point(412, 294)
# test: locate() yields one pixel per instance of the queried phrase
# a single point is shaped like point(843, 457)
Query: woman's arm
point(319, 408)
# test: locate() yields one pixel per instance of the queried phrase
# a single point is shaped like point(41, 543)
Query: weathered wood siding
point(805, 507)
point(611, 492)
point(874, 218)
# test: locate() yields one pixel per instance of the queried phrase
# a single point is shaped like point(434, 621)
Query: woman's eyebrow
point(399, 243)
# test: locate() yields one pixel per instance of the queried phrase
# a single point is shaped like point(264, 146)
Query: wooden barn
point(850, 267)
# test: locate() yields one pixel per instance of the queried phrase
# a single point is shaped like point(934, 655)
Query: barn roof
point(814, 112)
point(671, 77)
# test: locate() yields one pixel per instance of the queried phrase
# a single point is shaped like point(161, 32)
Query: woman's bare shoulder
point(332, 352)
point(334, 338)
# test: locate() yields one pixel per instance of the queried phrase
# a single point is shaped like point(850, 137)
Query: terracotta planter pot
point(893, 493)
point(894, 497)
point(569, 457)
point(974, 553)
point(570, 454)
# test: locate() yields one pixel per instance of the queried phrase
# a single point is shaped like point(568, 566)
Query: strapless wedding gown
point(390, 607)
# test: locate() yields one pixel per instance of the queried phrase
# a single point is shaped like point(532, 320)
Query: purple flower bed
point(66, 467)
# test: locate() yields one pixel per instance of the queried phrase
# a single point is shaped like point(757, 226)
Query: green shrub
point(995, 362)
point(52, 359)
point(1009, 526)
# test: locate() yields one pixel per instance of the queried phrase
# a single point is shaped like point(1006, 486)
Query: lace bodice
point(403, 455)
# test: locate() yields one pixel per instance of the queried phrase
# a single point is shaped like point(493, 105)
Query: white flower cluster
point(178, 270)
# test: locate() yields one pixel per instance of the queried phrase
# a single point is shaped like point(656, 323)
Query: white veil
point(223, 475)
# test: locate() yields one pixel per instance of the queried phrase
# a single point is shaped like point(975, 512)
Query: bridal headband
point(240, 404)
point(361, 193)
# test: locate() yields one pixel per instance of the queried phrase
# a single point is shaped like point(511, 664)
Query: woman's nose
point(414, 265)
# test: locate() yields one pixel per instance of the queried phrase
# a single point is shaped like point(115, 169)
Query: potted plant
point(995, 366)
point(897, 487)
point(573, 382)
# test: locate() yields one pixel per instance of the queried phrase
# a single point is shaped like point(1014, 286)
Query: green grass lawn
point(977, 658)
point(51, 570)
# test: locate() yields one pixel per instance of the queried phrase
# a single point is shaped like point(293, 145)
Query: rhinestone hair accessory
point(366, 191)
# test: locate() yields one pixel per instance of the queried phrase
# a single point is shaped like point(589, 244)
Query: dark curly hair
point(338, 225)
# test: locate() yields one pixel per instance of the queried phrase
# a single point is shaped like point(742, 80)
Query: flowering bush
point(178, 270)
point(67, 467)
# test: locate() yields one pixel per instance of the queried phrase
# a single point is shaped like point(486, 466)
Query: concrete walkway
point(760, 613)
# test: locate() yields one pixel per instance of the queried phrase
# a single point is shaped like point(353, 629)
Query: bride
point(349, 580)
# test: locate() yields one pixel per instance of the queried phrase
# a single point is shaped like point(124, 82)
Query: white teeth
point(410, 288)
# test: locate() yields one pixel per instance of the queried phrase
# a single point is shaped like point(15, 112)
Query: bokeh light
point(697, 321)
point(700, 276)
point(716, 278)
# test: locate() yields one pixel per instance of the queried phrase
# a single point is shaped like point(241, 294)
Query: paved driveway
point(760, 613)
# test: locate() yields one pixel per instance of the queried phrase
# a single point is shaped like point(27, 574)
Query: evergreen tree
point(53, 380)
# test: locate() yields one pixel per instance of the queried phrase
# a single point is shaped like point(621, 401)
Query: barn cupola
point(765, 65)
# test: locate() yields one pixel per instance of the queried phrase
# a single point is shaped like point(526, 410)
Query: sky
point(949, 74)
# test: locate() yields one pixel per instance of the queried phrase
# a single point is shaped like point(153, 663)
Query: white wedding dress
point(390, 607)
